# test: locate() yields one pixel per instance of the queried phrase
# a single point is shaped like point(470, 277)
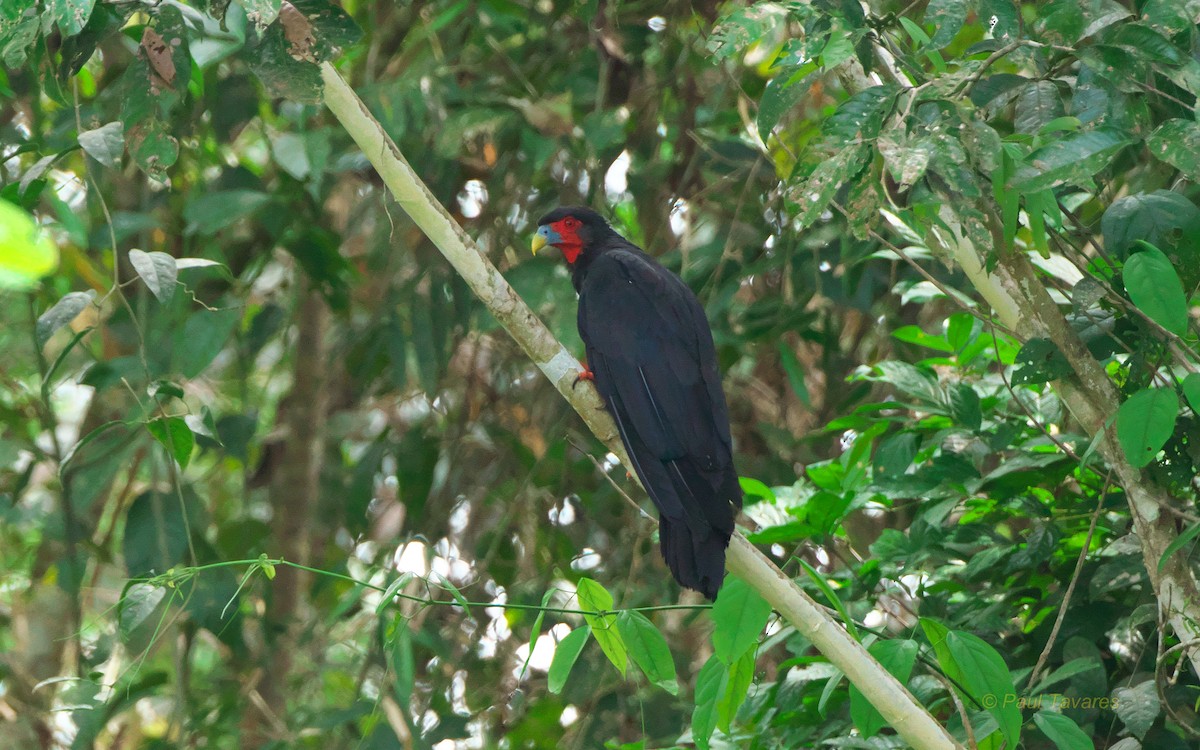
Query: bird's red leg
point(585, 374)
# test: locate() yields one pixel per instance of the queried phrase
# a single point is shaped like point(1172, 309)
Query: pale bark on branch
point(889, 696)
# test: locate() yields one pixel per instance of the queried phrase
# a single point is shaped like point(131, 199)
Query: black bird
point(650, 352)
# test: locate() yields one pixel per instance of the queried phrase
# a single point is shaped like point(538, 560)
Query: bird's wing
point(649, 344)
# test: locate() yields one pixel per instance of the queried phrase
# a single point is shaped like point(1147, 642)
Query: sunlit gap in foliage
point(472, 198)
point(616, 182)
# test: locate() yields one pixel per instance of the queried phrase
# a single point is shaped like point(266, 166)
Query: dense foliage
point(271, 476)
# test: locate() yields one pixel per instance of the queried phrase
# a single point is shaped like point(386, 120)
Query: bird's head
point(572, 229)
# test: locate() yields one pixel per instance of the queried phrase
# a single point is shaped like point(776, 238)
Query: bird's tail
point(697, 560)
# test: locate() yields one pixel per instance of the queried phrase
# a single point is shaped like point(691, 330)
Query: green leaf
point(400, 658)
point(755, 491)
point(71, 15)
point(208, 213)
point(595, 597)
point(1179, 543)
point(1074, 159)
point(105, 144)
point(947, 18)
point(740, 613)
point(897, 657)
point(1138, 707)
point(1037, 104)
point(157, 270)
point(1062, 731)
point(1156, 289)
point(1191, 391)
point(152, 147)
point(1145, 422)
point(201, 338)
point(649, 650)
point(986, 677)
point(536, 631)
point(175, 436)
point(965, 406)
point(813, 195)
point(261, 13)
point(61, 313)
point(566, 653)
point(1166, 220)
point(390, 592)
point(791, 365)
point(140, 615)
point(710, 686)
point(781, 94)
point(737, 685)
point(1039, 361)
point(156, 534)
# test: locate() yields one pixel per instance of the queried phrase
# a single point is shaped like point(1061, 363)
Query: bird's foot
point(585, 374)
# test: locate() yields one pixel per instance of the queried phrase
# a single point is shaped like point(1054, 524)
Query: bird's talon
point(586, 374)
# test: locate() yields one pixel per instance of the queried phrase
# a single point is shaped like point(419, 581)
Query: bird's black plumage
point(651, 350)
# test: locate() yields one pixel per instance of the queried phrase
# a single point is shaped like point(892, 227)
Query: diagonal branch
point(894, 702)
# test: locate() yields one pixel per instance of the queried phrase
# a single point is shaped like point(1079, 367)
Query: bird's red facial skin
point(571, 245)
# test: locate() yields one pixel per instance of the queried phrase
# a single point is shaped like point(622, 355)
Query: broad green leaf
point(986, 677)
point(208, 213)
point(1138, 707)
point(740, 613)
point(261, 12)
point(152, 147)
point(755, 491)
point(105, 144)
point(71, 15)
point(947, 17)
point(1177, 142)
point(737, 685)
point(914, 335)
point(965, 406)
point(332, 29)
point(1156, 289)
point(565, 655)
point(1062, 731)
point(906, 159)
point(26, 253)
point(1073, 159)
point(1179, 543)
point(1144, 423)
point(1039, 361)
point(741, 28)
point(781, 94)
point(897, 657)
point(1070, 669)
point(649, 650)
point(814, 193)
point(895, 454)
point(175, 436)
point(1037, 104)
point(1191, 391)
point(595, 597)
point(1166, 220)
point(61, 313)
point(859, 117)
point(140, 614)
point(285, 75)
point(710, 686)
point(201, 338)
point(156, 534)
point(157, 270)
